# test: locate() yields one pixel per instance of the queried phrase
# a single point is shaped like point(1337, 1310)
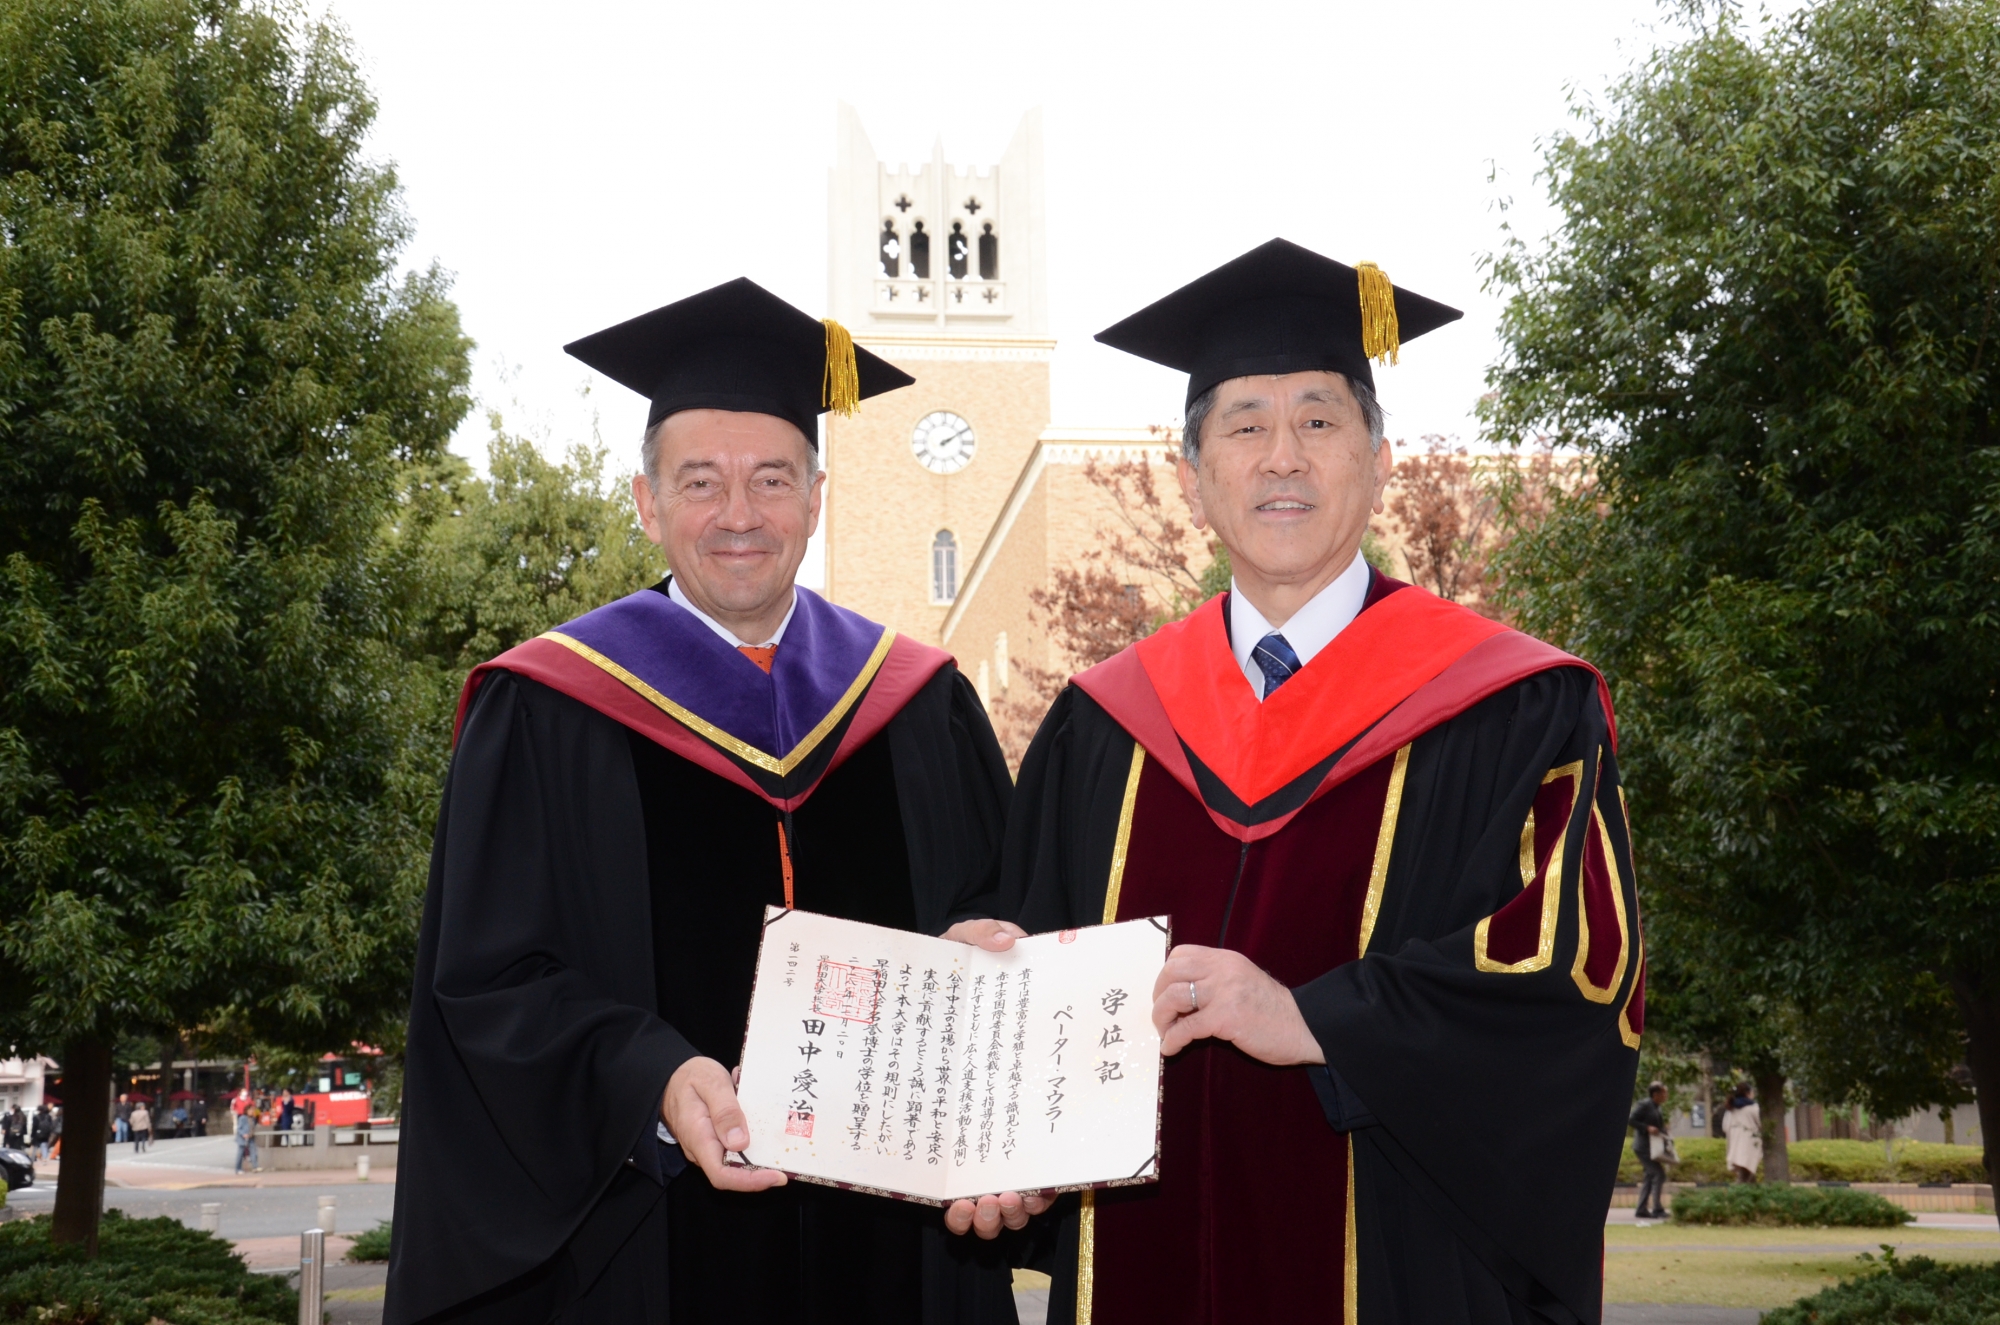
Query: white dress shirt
point(729, 636)
point(1310, 629)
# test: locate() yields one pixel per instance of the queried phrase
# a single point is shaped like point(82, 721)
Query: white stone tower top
point(940, 249)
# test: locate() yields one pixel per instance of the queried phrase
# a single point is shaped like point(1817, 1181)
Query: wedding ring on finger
point(1194, 1004)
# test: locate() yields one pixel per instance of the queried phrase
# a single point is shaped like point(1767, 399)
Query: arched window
point(920, 252)
point(892, 249)
point(944, 567)
point(989, 254)
point(959, 243)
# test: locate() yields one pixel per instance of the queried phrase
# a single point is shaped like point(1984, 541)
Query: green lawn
point(1762, 1267)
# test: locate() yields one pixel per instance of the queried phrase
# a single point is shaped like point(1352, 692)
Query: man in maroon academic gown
point(628, 793)
point(1405, 1006)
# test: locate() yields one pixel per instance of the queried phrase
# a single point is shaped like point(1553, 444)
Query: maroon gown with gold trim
point(1422, 835)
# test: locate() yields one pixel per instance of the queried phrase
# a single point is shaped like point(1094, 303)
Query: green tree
point(485, 563)
point(478, 564)
point(1768, 314)
point(213, 809)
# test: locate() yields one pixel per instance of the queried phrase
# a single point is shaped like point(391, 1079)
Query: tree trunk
point(86, 1124)
point(1771, 1109)
point(1979, 1004)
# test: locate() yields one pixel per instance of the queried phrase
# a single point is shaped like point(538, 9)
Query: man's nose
point(1287, 455)
point(739, 513)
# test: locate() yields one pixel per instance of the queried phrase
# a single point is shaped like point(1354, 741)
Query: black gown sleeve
point(953, 792)
point(1418, 1025)
point(1062, 832)
point(536, 1063)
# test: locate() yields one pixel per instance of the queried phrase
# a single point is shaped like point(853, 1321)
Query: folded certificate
point(915, 1067)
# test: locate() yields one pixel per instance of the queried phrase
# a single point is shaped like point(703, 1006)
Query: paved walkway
point(354, 1297)
point(249, 1210)
point(263, 1215)
point(203, 1161)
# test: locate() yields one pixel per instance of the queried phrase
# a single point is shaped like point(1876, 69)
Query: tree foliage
point(487, 562)
point(210, 373)
point(213, 805)
point(1768, 314)
point(1452, 512)
point(1147, 565)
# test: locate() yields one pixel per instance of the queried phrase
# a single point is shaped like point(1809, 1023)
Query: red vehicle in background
point(346, 1085)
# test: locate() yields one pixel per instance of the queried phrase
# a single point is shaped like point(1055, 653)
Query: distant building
point(22, 1082)
point(949, 501)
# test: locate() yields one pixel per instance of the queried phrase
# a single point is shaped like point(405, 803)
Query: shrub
point(1912, 1290)
point(1701, 1161)
point(372, 1245)
point(145, 1270)
point(1826, 1161)
point(1753, 1203)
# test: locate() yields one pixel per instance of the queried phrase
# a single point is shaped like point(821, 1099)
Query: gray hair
point(1203, 405)
point(649, 454)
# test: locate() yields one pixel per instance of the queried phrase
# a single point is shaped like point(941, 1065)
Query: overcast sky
point(576, 164)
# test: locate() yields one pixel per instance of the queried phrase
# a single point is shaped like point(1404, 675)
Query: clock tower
point(940, 270)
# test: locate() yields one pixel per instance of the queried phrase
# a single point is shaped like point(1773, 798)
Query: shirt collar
point(729, 637)
point(1310, 629)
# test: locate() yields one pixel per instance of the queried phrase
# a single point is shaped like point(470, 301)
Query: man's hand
point(992, 935)
point(1232, 1000)
point(988, 1213)
point(700, 1109)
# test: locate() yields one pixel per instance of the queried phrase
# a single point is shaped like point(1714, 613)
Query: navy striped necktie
point(1276, 660)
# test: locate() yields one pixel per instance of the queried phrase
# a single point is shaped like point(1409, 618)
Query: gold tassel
point(1380, 339)
point(840, 389)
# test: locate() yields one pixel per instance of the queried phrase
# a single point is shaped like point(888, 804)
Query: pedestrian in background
point(1649, 1133)
point(199, 1113)
point(1743, 1124)
point(246, 1134)
point(179, 1120)
point(121, 1119)
point(42, 1130)
point(13, 1128)
point(142, 1127)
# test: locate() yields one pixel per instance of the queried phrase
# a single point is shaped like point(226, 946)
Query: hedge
point(1754, 1203)
point(145, 1270)
point(372, 1245)
point(1825, 1161)
point(1918, 1289)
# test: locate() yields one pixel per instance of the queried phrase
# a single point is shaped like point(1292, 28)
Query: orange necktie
point(761, 654)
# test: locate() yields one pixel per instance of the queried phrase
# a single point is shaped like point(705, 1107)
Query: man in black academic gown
point(1390, 837)
point(627, 795)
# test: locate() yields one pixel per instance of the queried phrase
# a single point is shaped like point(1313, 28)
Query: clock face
point(942, 443)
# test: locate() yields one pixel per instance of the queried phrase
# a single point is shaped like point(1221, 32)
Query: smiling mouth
point(1286, 505)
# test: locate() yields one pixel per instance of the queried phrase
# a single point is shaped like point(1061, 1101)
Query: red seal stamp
point(1067, 936)
point(798, 1124)
point(851, 993)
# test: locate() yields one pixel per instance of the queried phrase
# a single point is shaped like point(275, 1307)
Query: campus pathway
point(263, 1215)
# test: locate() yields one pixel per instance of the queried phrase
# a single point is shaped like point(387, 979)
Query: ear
point(1385, 465)
point(1191, 489)
point(649, 519)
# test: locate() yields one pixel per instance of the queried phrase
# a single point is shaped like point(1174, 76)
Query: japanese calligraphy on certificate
point(916, 1067)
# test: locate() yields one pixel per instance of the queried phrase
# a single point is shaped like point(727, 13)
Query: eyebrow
point(771, 462)
point(1245, 406)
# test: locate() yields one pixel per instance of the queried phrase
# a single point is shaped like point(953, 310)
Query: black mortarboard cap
point(1278, 309)
point(739, 347)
